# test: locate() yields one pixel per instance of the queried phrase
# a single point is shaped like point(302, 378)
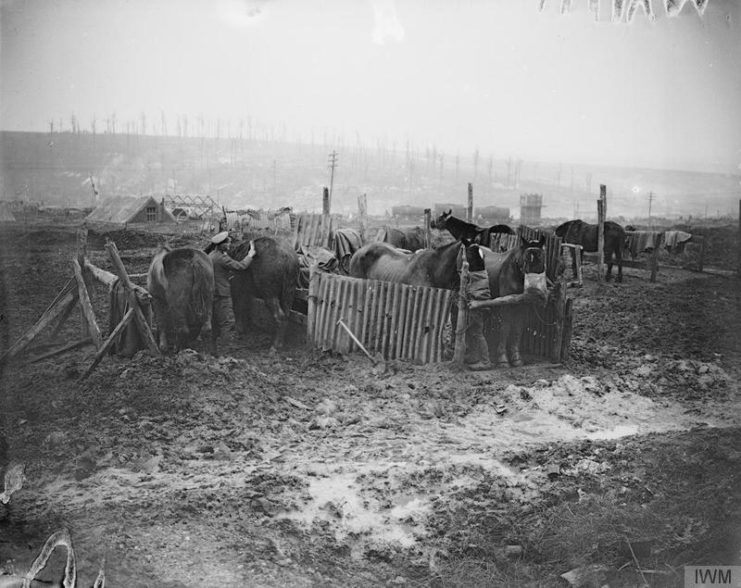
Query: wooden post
point(459, 354)
point(109, 341)
point(141, 322)
point(739, 237)
point(81, 255)
point(59, 307)
point(601, 232)
point(86, 308)
point(362, 215)
point(701, 261)
point(469, 206)
point(325, 201)
point(428, 230)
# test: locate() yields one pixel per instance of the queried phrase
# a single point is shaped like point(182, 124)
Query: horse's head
point(441, 221)
point(531, 257)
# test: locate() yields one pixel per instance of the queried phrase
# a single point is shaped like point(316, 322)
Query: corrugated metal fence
point(396, 320)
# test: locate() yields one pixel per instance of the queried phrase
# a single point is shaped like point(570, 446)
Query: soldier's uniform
point(477, 349)
point(223, 268)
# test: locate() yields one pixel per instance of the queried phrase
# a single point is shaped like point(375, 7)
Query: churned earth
point(309, 469)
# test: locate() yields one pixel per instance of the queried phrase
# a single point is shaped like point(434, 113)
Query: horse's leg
point(574, 253)
point(504, 333)
point(516, 319)
point(608, 275)
point(619, 258)
point(281, 321)
point(207, 336)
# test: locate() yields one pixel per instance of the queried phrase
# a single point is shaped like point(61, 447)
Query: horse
point(461, 229)
point(507, 271)
point(409, 239)
point(271, 277)
point(434, 268)
point(181, 282)
point(580, 233)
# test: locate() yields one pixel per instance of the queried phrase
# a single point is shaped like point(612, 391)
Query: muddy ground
point(306, 469)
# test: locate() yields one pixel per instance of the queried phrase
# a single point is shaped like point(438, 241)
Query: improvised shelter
point(6, 215)
point(125, 210)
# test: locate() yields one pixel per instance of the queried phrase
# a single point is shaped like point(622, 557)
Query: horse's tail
point(202, 287)
point(156, 277)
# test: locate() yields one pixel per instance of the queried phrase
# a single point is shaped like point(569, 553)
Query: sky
point(538, 79)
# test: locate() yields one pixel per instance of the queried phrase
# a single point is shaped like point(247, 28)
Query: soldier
point(477, 349)
point(223, 266)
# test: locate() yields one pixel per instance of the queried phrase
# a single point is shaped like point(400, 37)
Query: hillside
point(55, 169)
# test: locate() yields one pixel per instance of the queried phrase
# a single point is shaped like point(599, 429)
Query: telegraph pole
point(650, 201)
point(332, 165)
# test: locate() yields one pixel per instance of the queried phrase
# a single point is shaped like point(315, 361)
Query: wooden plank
point(419, 324)
point(427, 333)
point(409, 321)
point(365, 316)
point(428, 228)
point(311, 302)
point(321, 307)
point(63, 318)
point(127, 318)
point(337, 333)
point(328, 298)
point(601, 206)
point(460, 333)
point(395, 318)
point(51, 313)
point(63, 349)
point(353, 308)
point(401, 321)
point(83, 297)
point(441, 321)
point(378, 316)
point(387, 334)
point(371, 317)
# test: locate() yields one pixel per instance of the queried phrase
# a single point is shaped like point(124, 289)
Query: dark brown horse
point(181, 282)
point(507, 272)
point(580, 233)
point(435, 268)
point(461, 229)
point(272, 277)
point(410, 239)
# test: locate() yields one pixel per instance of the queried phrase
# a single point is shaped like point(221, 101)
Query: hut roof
point(123, 209)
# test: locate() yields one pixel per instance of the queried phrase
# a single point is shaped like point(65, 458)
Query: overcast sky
point(502, 76)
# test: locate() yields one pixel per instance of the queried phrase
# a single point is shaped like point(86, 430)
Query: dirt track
point(314, 470)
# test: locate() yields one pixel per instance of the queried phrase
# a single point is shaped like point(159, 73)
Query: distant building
point(530, 206)
point(6, 215)
point(130, 210)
